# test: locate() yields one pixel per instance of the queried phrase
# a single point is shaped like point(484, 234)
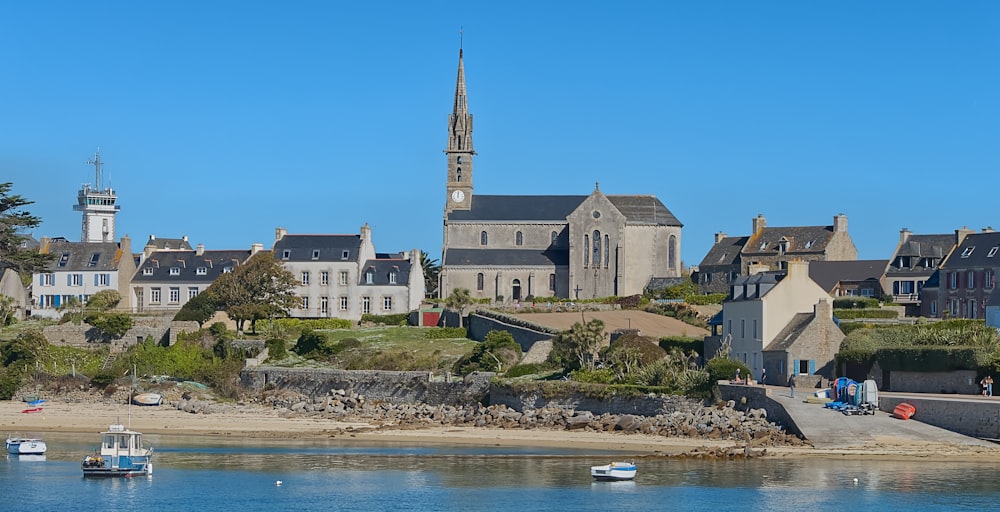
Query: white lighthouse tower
point(98, 206)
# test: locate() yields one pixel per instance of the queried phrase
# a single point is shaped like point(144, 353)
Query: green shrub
point(312, 344)
point(102, 379)
point(855, 303)
point(850, 314)
point(443, 333)
point(299, 324)
point(497, 352)
point(397, 319)
point(276, 349)
point(599, 376)
point(704, 300)
point(684, 343)
point(528, 369)
point(723, 368)
point(114, 325)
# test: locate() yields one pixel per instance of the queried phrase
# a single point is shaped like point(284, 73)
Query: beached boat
point(147, 399)
point(121, 454)
point(615, 471)
point(25, 446)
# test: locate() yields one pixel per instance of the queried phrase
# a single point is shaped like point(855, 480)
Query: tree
point(7, 308)
point(260, 288)
point(575, 348)
point(431, 271)
point(200, 308)
point(114, 325)
point(104, 300)
point(458, 300)
point(497, 352)
point(13, 222)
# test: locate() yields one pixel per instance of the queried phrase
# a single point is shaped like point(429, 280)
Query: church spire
point(459, 150)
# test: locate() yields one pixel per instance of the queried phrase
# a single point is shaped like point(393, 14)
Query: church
point(511, 248)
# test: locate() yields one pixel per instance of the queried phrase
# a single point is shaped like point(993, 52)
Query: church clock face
point(458, 196)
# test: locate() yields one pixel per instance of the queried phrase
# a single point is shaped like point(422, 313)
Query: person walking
point(982, 384)
point(989, 385)
point(791, 385)
point(763, 377)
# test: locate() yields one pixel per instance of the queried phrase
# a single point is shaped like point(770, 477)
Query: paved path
point(827, 428)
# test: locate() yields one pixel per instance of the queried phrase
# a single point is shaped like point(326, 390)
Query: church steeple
point(459, 150)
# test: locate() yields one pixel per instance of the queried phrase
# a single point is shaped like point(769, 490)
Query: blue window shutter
point(795, 367)
point(41, 279)
point(812, 366)
point(96, 280)
point(69, 279)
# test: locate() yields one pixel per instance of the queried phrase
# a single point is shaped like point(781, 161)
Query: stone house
point(572, 246)
point(858, 278)
point(782, 321)
point(771, 248)
point(914, 260)
point(79, 270)
point(966, 279)
point(341, 276)
point(168, 278)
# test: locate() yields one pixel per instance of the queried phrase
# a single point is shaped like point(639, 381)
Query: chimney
point(279, 233)
point(759, 222)
point(798, 268)
point(960, 234)
point(904, 235)
point(719, 236)
point(152, 237)
point(125, 245)
point(255, 248)
point(200, 250)
point(823, 309)
point(840, 223)
point(988, 229)
point(185, 238)
point(366, 232)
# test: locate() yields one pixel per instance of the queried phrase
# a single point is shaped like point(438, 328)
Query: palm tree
point(458, 300)
point(431, 271)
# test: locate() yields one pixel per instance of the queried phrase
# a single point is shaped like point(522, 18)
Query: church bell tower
point(459, 150)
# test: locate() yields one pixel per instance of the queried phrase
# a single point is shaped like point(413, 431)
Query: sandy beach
point(260, 422)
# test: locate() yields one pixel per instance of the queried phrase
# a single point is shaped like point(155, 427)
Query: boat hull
point(26, 446)
point(614, 472)
point(102, 468)
point(147, 399)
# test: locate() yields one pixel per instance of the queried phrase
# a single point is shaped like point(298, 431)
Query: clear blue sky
point(223, 120)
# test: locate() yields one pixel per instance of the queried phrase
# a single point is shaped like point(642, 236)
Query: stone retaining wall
point(975, 418)
point(755, 397)
point(478, 326)
point(161, 328)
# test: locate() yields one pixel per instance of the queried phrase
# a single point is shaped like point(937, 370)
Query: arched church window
point(518, 238)
point(459, 174)
point(480, 280)
point(607, 250)
point(597, 248)
point(459, 159)
point(672, 252)
point(586, 251)
point(482, 238)
point(555, 237)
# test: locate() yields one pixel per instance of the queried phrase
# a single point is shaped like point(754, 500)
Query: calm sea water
point(225, 474)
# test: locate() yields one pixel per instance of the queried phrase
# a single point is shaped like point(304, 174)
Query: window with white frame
point(993, 252)
point(48, 279)
point(345, 255)
point(201, 271)
point(324, 278)
point(305, 278)
point(343, 303)
point(386, 303)
point(148, 271)
point(480, 281)
point(953, 308)
point(970, 278)
point(968, 251)
point(285, 254)
point(154, 295)
point(392, 277)
point(324, 305)
point(315, 255)
point(343, 278)
point(226, 270)
point(989, 279)
point(175, 294)
point(192, 292)
point(953, 280)
point(369, 277)
point(103, 279)
point(366, 304)
point(304, 302)
point(76, 280)
point(175, 271)
point(93, 259)
point(64, 259)
point(552, 282)
point(972, 310)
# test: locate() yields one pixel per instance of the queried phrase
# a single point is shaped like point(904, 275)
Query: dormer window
point(968, 251)
point(64, 259)
point(175, 271)
point(201, 271)
point(285, 254)
point(763, 245)
point(93, 259)
point(809, 244)
point(226, 270)
point(783, 246)
point(148, 271)
point(315, 254)
point(369, 277)
point(392, 277)
point(993, 252)
point(344, 255)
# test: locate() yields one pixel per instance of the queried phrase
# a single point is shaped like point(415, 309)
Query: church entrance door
point(515, 293)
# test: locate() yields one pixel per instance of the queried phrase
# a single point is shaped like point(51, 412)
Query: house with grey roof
point(858, 278)
point(168, 278)
point(341, 276)
point(78, 271)
point(966, 279)
point(914, 260)
point(771, 248)
point(513, 247)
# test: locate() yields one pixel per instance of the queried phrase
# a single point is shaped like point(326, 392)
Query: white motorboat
point(25, 446)
point(121, 454)
point(616, 471)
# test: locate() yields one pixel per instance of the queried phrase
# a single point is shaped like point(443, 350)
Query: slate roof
point(828, 273)
point(786, 338)
point(382, 268)
point(974, 251)
point(765, 280)
point(330, 247)
point(659, 283)
point(509, 257)
point(78, 256)
point(801, 239)
point(169, 243)
point(926, 246)
point(726, 252)
point(187, 264)
point(637, 209)
point(644, 209)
